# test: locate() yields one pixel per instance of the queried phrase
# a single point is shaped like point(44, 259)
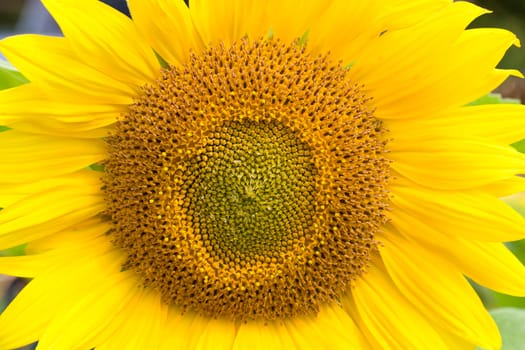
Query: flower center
point(251, 191)
point(249, 183)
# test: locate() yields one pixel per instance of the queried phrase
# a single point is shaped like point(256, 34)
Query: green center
point(251, 190)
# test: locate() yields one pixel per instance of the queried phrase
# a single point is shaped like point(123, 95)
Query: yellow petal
point(72, 243)
point(305, 13)
point(89, 314)
point(258, 336)
point(505, 187)
point(76, 234)
point(87, 179)
point(168, 27)
point(455, 342)
point(22, 153)
point(434, 285)
point(490, 264)
point(345, 28)
point(388, 318)
point(467, 123)
point(422, 78)
point(59, 129)
point(484, 48)
point(186, 329)
point(71, 75)
point(219, 334)
point(459, 214)
point(138, 325)
point(113, 332)
point(455, 164)
point(402, 13)
point(229, 21)
point(115, 46)
point(37, 109)
point(26, 318)
point(310, 332)
point(57, 105)
point(46, 213)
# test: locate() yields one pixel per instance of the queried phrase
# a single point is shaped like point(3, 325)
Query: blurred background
point(29, 16)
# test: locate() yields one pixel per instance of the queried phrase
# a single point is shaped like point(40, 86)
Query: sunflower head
point(247, 168)
point(316, 187)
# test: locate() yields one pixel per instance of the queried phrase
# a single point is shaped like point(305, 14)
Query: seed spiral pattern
point(251, 192)
point(249, 183)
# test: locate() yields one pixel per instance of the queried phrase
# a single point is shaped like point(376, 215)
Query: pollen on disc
point(249, 183)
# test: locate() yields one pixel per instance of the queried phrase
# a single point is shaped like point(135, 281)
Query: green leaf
point(511, 323)
point(493, 99)
point(519, 146)
point(9, 76)
point(304, 38)
point(163, 63)
point(97, 167)
point(14, 251)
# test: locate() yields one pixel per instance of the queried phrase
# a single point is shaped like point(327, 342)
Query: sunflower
point(259, 175)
